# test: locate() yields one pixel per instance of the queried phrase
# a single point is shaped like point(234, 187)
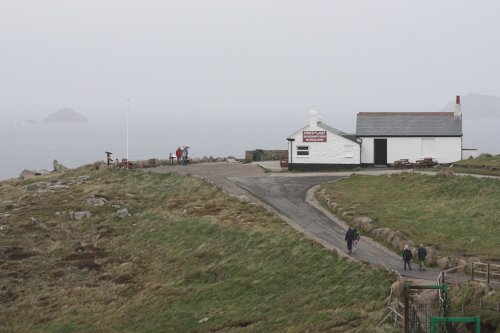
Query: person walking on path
point(178, 154)
point(355, 240)
point(349, 237)
point(185, 155)
point(421, 254)
point(407, 257)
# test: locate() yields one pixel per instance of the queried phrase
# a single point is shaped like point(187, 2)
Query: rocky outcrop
point(58, 166)
point(27, 174)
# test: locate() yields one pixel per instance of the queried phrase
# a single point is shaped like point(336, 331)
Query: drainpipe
point(291, 140)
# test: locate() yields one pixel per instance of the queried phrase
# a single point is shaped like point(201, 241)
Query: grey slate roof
point(350, 137)
point(408, 124)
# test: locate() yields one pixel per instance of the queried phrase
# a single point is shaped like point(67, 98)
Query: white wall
point(443, 149)
point(469, 153)
point(367, 155)
point(336, 150)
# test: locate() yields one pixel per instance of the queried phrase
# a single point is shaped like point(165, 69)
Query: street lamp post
point(128, 111)
point(290, 164)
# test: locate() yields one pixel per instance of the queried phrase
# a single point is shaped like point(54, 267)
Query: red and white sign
point(314, 136)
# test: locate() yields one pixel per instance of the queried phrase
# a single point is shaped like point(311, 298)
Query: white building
point(319, 146)
point(390, 136)
point(381, 138)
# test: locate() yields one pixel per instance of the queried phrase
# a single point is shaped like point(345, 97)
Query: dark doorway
point(380, 150)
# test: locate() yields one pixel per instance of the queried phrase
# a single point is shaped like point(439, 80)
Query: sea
point(34, 146)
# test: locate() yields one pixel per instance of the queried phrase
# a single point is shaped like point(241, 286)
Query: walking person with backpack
point(349, 237)
point(407, 255)
point(421, 254)
point(355, 240)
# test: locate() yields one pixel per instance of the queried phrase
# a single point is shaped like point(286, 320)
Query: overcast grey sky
point(209, 60)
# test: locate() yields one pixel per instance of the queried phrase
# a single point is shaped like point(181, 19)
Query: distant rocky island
point(65, 116)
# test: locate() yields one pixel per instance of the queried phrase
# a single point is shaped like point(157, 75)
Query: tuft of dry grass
point(187, 252)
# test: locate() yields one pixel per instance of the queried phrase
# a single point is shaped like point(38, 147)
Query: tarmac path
point(287, 194)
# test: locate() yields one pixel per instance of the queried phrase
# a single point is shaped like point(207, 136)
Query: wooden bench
point(402, 163)
point(125, 164)
point(426, 162)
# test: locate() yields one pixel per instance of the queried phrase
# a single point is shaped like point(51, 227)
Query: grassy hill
point(460, 216)
point(485, 164)
point(187, 259)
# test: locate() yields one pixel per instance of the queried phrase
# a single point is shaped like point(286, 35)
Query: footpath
point(291, 196)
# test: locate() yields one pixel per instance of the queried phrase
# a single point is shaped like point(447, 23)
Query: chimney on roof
point(314, 117)
point(458, 108)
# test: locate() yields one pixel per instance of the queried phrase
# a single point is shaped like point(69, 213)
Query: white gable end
point(316, 145)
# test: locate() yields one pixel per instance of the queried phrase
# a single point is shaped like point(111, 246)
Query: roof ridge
point(405, 113)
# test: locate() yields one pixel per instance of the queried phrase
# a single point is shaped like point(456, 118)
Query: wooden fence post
point(472, 270)
point(488, 274)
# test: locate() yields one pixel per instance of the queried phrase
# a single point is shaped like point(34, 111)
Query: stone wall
point(267, 155)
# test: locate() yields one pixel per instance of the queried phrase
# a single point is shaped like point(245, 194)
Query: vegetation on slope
point(485, 164)
point(188, 259)
point(458, 215)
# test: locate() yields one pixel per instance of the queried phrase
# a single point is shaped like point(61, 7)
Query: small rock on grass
point(77, 216)
point(203, 320)
point(122, 213)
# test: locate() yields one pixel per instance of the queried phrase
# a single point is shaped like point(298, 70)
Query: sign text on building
point(314, 136)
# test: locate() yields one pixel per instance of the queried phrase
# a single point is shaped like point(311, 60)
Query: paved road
point(288, 196)
point(286, 193)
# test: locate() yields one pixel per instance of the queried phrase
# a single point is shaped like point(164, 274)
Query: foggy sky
point(244, 61)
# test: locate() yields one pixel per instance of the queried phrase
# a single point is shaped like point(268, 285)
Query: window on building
point(302, 150)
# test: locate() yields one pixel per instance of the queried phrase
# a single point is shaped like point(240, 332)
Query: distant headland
point(65, 116)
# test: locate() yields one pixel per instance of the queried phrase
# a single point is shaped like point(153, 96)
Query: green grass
point(483, 165)
point(188, 252)
point(459, 215)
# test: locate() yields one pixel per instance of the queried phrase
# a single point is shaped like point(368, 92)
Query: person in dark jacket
point(407, 257)
point(349, 237)
point(421, 254)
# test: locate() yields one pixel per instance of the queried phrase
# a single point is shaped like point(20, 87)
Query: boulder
point(443, 262)
point(83, 178)
point(363, 222)
point(92, 201)
point(122, 213)
point(444, 173)
point(398, 287)
point(27, 174)
point(77, 216)
point(58, 166)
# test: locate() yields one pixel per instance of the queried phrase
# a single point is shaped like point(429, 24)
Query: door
point(380, 147)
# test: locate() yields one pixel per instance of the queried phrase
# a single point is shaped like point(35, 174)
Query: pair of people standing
point(407, 256)
point(182, 155)
point(352, 238)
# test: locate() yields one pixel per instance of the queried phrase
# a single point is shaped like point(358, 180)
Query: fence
point(484, 272)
